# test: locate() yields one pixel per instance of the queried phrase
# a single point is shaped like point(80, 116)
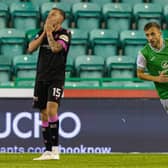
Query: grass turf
point(86, 161)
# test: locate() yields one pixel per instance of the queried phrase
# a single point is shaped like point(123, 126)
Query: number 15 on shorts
point(57, 92)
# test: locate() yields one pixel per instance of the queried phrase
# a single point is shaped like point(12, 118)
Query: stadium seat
point(162, 2)
point(38, 3)
point(79, 43)
point(69, 67)
point(139, 85)
point(165, 13)
point(12, 42)
point(46, 7)
point(165, 33)
point(25, 66)
point(4, 15)
point(30, 34)
point(120, 67)
point(87, 16)
point(5, 69)
point(24, 15)
point(24, 82)
point(71, 1)
point(103, 42)
point(117, 16)
point(145, 12)
point(101, 2)
point(132, 2)
point(9, 2)
point(89, 66)
point(132, 41)
point(82, 84)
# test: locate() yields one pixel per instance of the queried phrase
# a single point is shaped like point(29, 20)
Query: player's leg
point(52, 108)
point(164, 103)
point(54, 96)
point(40, 102)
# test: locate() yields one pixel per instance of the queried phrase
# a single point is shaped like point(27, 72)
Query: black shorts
point(47, 91)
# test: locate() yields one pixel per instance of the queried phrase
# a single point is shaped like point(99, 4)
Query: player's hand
point(163, 77)
point(49, 28)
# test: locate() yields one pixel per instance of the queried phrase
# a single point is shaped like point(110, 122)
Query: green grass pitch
point(86, 161)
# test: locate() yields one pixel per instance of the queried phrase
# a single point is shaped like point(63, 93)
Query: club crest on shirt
point(64, 37)
point(164, 64)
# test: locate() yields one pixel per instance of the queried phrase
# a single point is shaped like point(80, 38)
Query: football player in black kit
point(54, 42)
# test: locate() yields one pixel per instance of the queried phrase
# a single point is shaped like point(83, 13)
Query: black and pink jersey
point(51, 66)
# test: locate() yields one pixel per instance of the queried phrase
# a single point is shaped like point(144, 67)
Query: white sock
point(55, 149)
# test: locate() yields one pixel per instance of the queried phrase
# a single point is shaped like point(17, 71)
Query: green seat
point(38, 3)
point(4, 15)
point(132, 2)
point(165, 13)
point(70, 1)
point(69, 67)
point(87, 16)
point(82, 84)
point(25, 66)
point(89, 66)
point(132, 41)
point(46, 7)
point(146, 12)
point(79, 43)
point(120, 67)
point(117, 16)
point(25, 16)
point(5, 69)
point(9, 2)
point(163, 3)
point(165, 33)
point(139, 85)
point(24, 82)
point(12, 42)
point(101, 2)
point(30, 34)
point(104, 42)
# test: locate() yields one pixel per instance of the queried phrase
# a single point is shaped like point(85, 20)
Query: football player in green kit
point(154, 57)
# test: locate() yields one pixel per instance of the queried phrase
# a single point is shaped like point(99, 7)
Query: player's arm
point(142, 75)
point(141, 65)
point(33, 45)
point(54, 45)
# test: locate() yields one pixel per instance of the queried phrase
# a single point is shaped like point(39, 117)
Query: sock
point(46, 135)
point(54, 126)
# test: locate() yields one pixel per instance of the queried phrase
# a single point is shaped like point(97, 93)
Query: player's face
point(54, 17)
point(153, 36)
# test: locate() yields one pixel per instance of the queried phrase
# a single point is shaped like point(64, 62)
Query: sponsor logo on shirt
point(64, 37)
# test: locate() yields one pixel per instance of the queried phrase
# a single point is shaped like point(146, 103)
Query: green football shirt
point(157, 62)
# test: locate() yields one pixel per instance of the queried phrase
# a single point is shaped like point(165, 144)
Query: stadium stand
point(24, 15)
point(24, 66)
point(12, 42)
point(79, 43)
point(117, 16)
point(87, 16)
point(120, 67)
point(132, 41)
point(89, 66)
point(4, 15)
point(145, 12)
point(104, 42)
point(5, 69)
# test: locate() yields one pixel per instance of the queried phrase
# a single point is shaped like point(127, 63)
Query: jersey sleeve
point(64, 40)
point(141, 61)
